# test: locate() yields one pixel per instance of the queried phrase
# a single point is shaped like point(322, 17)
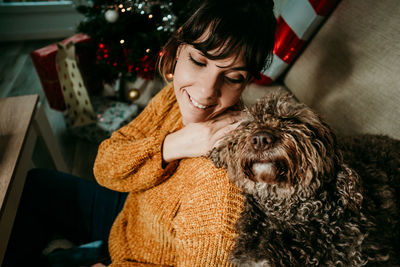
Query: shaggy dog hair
point(304, 206)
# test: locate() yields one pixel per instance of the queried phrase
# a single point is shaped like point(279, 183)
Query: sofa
point(349, 72)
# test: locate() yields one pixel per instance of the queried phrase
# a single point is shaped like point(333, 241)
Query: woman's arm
point(205, 222)
point(131, 159)
point(197, 139)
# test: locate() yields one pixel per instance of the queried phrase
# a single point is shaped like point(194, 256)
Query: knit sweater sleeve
point(133, 264)
point(131, 159)
point(205, 223)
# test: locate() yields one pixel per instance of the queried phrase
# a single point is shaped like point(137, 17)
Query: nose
point(210, 86)
point(262, 140)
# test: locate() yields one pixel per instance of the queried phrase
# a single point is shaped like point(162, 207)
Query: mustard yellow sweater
point(179, 215)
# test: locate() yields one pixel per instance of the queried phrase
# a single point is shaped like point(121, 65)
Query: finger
point(222, 132)
point(225, 120)
point(225, 115)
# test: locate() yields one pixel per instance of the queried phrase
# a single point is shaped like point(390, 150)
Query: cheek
point(183, 74)
point(230, 96)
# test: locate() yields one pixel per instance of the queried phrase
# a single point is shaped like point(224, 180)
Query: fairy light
point(150, 16)
point(123, 10)
point(122, 41)
point(121, 6)
point(147, 50)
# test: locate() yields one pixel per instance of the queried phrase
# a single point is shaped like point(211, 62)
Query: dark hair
point(236, 27)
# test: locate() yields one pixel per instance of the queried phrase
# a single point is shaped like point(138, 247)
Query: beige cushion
point(254, 91)
point(350, 72)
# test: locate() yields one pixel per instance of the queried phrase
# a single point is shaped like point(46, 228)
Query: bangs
point(223, 35)
point(222, 44)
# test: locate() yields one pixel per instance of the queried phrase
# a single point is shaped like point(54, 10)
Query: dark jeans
point(59, 204)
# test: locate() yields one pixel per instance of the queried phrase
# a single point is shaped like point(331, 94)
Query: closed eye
point(196, 62)
point(240, 80)
point(200, 64)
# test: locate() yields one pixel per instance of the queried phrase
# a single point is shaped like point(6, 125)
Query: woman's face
point(205, 88)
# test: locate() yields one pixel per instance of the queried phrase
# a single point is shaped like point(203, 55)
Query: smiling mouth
point(197, 104)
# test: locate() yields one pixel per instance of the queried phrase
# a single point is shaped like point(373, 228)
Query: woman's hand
point(197, 139)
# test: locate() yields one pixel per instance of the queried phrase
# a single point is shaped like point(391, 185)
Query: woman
point(180, 209)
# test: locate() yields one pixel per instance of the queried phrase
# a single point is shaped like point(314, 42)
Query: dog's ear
point(349, 189)
point(219, 155)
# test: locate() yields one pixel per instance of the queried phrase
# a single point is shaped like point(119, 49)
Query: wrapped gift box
point(44, 60)
point(111, 115)
point(76, 97)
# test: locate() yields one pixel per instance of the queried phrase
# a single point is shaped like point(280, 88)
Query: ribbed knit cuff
point(162, 168)
point(212, 250)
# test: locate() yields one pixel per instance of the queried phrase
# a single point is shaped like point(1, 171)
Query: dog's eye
point(293, 120)
point(244, 124)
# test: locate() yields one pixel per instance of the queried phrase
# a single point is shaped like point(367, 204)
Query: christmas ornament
point(140, 91)
point(79, 107)
point(133, 94)
point(111, 15)
point(296, 24)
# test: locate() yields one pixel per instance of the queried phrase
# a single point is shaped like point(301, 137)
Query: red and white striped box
point(296, 24)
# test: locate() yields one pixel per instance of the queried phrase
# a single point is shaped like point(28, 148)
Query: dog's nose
point(261, 140)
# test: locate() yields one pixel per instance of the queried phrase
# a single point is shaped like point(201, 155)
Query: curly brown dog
point(303, 205)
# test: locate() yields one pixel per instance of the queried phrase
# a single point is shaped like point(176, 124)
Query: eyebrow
point(244, 68)
point(235, 68)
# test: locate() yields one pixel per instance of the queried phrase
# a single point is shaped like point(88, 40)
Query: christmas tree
point(128, 35)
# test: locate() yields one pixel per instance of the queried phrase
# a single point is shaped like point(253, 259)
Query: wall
point(37, 20)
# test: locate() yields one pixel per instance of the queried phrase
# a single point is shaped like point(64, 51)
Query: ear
point(178, 51)
point(219, 155)
point(349, 189)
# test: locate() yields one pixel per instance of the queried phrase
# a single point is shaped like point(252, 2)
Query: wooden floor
point(18, 77)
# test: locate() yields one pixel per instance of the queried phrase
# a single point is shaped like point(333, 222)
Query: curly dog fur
point(304, 206)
